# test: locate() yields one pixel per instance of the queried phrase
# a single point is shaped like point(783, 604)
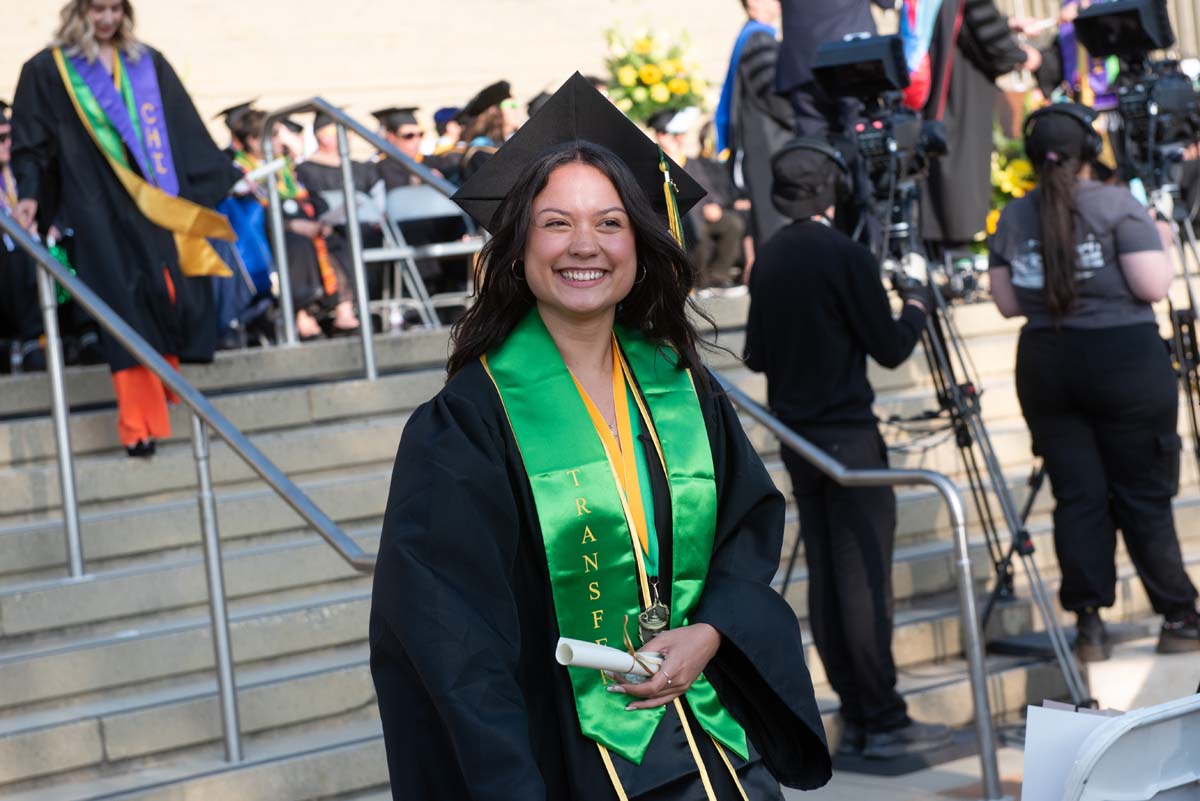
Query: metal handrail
point(344, 123)
point(973, 639)
point(204, 415)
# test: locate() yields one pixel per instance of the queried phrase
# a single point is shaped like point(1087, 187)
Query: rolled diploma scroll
point(583, 654)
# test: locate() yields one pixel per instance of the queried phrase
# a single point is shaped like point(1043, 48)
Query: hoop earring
point(637, 281)
point(513, 269)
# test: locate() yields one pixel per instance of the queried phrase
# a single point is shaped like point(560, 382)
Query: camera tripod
point(958, 396)
point(1185, 350)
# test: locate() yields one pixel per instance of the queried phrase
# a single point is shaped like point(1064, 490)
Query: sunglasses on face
point(509, 104)
point(411, 135)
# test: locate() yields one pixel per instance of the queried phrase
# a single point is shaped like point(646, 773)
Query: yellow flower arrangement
point(1012, 176)
point(651, 72)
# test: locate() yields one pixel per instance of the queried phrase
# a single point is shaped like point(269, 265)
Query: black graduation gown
point(119, 253)
point(762, 122)
point(463, 630)
point(321, 178)
point(957, 194)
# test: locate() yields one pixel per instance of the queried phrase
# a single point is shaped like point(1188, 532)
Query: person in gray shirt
point(1083, 262)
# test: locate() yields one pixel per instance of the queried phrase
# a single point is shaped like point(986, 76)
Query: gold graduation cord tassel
point(669, 190)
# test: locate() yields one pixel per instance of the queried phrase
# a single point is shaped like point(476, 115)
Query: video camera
point(1158, 104)
point(893, 143)
point(893, 147)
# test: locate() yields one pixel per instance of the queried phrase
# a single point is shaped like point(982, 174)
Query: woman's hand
point(686, 653)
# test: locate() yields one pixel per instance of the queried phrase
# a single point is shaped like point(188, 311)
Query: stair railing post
point(226, 686)
point(48, 299)
point(356, 254)
point(279, 247)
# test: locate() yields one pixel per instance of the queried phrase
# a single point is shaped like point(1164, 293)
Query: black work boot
point(1180, 633)
point(1091, 638)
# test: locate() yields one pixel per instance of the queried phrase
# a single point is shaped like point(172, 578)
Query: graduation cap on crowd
point(487, 97)
point(536, 104)
point(576, 113)
point(291, 125)
point(445, 115)
point(232, 114)
point(321, 120)
point(392, 117)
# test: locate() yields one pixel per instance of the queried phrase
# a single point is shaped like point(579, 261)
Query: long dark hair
point(1056, 213)
point(657, 305)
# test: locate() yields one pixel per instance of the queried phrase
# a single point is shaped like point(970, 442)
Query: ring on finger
point(668, 675)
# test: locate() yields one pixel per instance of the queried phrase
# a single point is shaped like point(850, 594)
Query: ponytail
point(1056, 213)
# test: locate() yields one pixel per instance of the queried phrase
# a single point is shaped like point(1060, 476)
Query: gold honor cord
point(628, 488)
point(192, 224)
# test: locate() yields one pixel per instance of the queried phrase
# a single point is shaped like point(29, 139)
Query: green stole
point(593, 555)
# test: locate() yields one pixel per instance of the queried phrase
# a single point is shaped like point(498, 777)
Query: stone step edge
point(251, 678)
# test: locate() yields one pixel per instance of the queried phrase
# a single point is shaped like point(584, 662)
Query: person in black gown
point(156, 279)
point(579, 429)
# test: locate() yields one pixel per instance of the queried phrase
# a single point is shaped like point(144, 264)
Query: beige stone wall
point(365, 54)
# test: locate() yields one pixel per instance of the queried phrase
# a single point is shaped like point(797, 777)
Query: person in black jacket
point(813, 321)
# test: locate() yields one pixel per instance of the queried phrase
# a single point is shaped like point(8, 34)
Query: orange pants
point(142, 404)
point(142, 399)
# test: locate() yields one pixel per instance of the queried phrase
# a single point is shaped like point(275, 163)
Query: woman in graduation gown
point(580, 476)
point(102, 123)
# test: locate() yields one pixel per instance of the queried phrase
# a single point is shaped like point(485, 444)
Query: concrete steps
point(106, 684)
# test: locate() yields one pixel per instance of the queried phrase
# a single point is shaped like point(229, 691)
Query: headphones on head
point(845, 181)
point(1093, 143)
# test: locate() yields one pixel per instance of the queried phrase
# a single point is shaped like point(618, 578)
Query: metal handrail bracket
point(972, 638)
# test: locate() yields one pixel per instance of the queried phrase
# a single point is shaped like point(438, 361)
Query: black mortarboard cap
point(320, 120)
point(488, 96)
point(231, 114)
point(393, 117)
point(575, 113)
point(536, 104)
point(292, 125)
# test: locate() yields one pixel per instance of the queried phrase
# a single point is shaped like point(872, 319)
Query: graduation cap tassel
point(669, 190)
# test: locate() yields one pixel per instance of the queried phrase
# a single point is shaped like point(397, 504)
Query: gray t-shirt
point(1109, 222)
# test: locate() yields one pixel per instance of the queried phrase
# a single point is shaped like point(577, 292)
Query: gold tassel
point(669, 192)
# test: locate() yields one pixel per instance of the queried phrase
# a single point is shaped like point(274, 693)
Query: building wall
point(365, 54)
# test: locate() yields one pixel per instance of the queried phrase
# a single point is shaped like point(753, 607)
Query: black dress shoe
point(1181, 635)
point(142, 449)
point(1091, 638)
point(915, 738)
point(852, 740)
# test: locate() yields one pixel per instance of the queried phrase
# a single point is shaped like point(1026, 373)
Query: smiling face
point(106, 17)
point(580, 253)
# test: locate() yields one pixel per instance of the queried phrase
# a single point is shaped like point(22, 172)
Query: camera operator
point(1082, 262)
point(817, 311)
